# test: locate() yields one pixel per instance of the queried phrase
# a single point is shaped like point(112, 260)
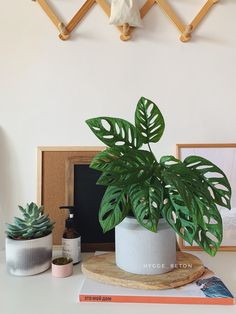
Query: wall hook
point(186, 35)
point(126, 30)
point(125, 35)
point(64, 34)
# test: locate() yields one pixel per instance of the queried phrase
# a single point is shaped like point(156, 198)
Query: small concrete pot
point(62, 267)
point(143, 252)
point(28, 257)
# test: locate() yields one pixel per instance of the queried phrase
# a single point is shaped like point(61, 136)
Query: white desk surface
point(44, 294)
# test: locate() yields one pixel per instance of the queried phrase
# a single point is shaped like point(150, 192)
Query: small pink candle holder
point(62, 267)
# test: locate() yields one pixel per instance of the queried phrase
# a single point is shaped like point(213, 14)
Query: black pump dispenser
point(71, 240)
point(70, 220)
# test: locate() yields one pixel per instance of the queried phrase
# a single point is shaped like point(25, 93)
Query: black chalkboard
point(87, 198)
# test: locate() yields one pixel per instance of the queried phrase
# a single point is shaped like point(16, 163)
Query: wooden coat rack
point(185, 30)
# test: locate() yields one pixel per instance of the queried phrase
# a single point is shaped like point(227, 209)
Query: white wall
point(49, 87)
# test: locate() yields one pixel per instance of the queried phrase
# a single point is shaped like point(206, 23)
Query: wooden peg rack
point(185, 30)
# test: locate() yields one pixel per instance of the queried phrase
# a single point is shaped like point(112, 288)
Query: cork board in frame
point(54, 184)
point(224, 156)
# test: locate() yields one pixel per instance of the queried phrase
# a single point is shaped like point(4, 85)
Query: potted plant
point(165, 196)
point(29, 242)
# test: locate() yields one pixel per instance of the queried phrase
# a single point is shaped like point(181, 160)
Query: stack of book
point(208, 289)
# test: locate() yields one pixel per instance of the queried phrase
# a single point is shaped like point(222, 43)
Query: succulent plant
point(33, 225)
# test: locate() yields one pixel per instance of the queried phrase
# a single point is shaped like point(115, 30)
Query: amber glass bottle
point(71, 239)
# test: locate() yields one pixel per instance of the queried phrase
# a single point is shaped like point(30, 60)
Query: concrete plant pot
point(141, 251)
point(28, 257)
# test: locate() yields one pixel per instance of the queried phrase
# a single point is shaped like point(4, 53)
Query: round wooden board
point(103, 268)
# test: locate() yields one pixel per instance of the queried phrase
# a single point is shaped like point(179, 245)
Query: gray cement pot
point(28, 257)
point(141, 251)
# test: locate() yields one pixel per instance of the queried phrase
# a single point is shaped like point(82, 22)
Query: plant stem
point(157, 168)
point(177, 246)
point(150, 149)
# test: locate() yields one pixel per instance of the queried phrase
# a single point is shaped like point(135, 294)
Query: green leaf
point(180, 218)
point(190, 208)
point(215, 179)
point(115, 132)
point(105, 179)
point(114, 207)
point(147, 201)
point(20, 222)
point(209, 237)
point(124, 168)
point(103, 160)
point(182, 180)
point(175, 183)
point(31, 210)
point(149, 121)
point(168, 161)
point(203, 224)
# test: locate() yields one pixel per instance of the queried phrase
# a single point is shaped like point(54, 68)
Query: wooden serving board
point(103, 268)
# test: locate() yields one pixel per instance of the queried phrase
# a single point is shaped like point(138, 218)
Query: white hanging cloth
point(125, 11)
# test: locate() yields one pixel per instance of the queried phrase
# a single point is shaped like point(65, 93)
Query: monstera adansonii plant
point(184, 193)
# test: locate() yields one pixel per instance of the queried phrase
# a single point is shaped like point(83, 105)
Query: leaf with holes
point(114, 207)
point(187, 197)
point(180, 218)
point(127, 168)
point(102, 161)
point(177, 183)
point(202, 224)
point(146, 201)
point(209, 237)
point(149, 121)
point(215, 179)
point(181, 179)
point(115, 132)
point(168, 161)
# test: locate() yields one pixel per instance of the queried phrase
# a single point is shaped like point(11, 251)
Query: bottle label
point(72, 248)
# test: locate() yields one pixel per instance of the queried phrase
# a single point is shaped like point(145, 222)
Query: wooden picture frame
point(55, 185)
point(223, 155)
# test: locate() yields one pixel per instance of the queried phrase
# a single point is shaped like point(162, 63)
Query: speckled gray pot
point(141, 251)
point(28, 257)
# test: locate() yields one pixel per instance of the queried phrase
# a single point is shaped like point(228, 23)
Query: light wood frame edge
point(86, 247)
point(42, 149)
point(178, 155)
